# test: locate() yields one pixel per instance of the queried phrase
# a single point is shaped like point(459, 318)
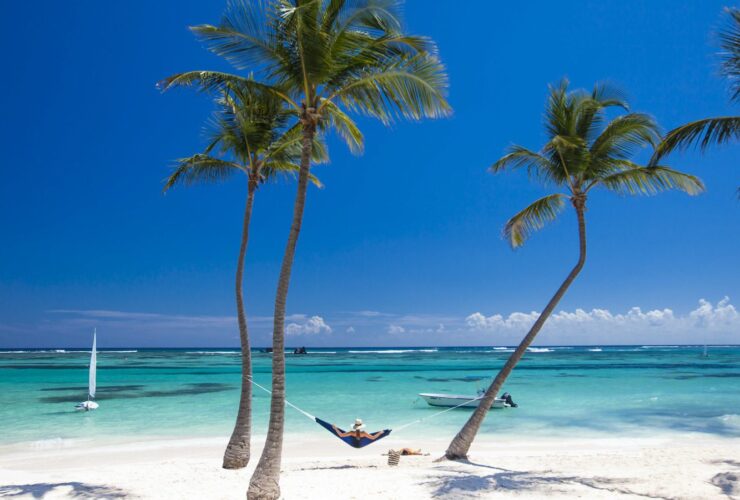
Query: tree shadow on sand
point(727, 482)
point(460, 483)
point(70, 490)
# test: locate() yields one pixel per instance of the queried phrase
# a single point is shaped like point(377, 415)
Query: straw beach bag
point(393, 457)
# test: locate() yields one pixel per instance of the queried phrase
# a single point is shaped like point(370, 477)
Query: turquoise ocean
point(604, 391)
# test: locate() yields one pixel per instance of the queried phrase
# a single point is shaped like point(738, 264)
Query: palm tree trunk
point(458, 448)
point(265, 483)
point(237, 452)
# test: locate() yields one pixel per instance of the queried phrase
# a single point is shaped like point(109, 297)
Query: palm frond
point(277, 169)
point(412, 87)
point(287, 147)
point(701, 132)
point(651, 180)
point(533, 218)
point(537, 165)
point(245, 37)
point(344, 126)
point(730, 42)
point(219, 81)
point(588, 112)
point(381, 16)
point(201, 168)
point(624, 134)
point(558, 111)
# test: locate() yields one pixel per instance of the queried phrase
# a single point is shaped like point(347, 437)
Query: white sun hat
point(358, 425)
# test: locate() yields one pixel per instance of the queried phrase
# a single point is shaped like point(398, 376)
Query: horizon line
point(371, 347)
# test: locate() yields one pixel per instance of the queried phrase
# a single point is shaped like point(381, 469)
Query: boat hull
point(86, 406)
point(453, 400)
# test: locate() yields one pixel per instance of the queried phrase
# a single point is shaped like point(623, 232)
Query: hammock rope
point(398, 429)
point(286, 401)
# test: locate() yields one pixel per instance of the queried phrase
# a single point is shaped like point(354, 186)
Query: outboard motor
point(507, 399)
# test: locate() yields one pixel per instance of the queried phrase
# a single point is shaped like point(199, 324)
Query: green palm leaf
point(201, 168)
point(410, 87)
point(533, 218)
point(538, 166)
point(343, 125)
point(702, 132)
point(287, 148)
point(730, 42)
point(624, 134)
point(651, 180)
point(246, 36)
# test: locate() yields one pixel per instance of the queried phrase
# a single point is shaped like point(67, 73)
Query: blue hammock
point(351, 437)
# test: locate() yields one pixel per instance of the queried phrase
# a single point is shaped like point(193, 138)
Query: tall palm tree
point(248, 133)
point(583, 152)
point(721, 129)
point(323, 58)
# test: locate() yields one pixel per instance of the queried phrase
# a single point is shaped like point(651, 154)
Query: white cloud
point(396, 329)
point(141, 319)
point(722, 317)
point(311, 326)
point(517, 320)
point(350, 329)
point(370, 314)
point(708, 316)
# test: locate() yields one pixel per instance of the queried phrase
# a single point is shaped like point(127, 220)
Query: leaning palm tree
point(323, 58)
point(583, 152)
point(721, 129)
point(249, 136)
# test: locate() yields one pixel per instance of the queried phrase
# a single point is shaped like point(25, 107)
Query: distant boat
point(90, 404)
point(462, 401)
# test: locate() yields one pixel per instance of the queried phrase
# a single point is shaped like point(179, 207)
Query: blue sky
point(402, 246)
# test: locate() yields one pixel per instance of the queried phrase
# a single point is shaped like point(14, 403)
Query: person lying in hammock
point(357, 432)
point(357, 437)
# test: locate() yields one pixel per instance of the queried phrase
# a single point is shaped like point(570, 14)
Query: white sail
point(93, 363)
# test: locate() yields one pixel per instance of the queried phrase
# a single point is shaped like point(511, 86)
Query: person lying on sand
point(408, 451)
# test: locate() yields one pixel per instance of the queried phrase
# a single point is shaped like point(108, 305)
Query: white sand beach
point(691, 466)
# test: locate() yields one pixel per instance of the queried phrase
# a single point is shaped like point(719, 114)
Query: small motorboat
point(462, 401)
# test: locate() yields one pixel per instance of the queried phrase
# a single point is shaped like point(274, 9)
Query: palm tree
point(583, 152)
point(323, 58)
point(249, 127)
point(721, 129)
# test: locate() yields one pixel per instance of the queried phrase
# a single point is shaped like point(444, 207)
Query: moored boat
point(463, 401)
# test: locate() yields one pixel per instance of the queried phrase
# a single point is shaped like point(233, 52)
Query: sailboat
point(90, 404)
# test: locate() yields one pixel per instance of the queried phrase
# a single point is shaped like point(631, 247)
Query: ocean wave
point(40, 351)
point(393, 351)
point(538, 349)
point(658, 346)
point(501, 348)
point(730, 420)
point(51, 443)
point(211, 353)
point(596, 349)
